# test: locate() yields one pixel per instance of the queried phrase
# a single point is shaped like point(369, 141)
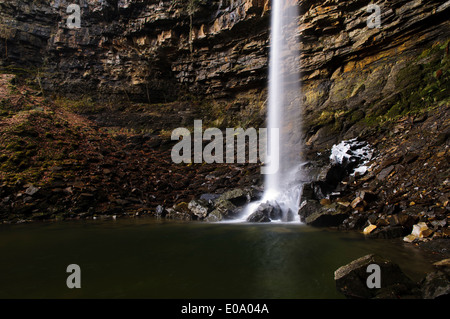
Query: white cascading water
point(284, 111)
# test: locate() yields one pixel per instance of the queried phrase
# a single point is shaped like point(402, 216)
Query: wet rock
point(258, 216)
point(226, 208)
point(369, 229)
point(214, 216)
point(199, 208)
point(210, 198)
point(436, 284)
point(357, 202)
point(180, 211)
point(271, 210)
point(326, 217)
point(274, 211)
point(355, 222)
point(438, 223)
point(254, 193)
point(421, 230)
point(388, 232)
point(173, 214)
point(351, 279)
point(236, 196)
point(307, 208)
point(409, 238)
point(307, 192)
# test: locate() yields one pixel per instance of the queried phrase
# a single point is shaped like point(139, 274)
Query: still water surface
point(146, 258)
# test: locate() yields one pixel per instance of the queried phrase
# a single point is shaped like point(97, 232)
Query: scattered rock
point(421, 230)
point(385, 172)
point(357, 202)
point(410, 238)
point(410, 158)
point(369, 229)
point(31, 190)
point(382, 222)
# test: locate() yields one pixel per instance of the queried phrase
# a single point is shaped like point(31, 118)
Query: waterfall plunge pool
point(149, 258)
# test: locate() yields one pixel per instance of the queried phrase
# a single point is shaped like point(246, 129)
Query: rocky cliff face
point(141, 49)
point(157, 51)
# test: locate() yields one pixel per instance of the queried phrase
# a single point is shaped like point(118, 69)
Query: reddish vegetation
point(78, 169)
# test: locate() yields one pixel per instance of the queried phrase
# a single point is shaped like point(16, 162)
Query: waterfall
point(284, 110)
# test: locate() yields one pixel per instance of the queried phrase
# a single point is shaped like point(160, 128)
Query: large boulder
point(388, 232)
point(436, 284)
point(351, 280)
point(214, 216)
point(327, 216)
point(199, 208)
point(226, 208)
point(210, 198)
point(269, 211)
point(308, 207)
point(237, 197)
point(258, 216)
point(266, 212)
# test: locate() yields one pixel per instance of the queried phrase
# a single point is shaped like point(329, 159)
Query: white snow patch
point(352, 150)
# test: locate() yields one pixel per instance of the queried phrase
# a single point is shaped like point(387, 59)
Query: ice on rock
point(352, 150)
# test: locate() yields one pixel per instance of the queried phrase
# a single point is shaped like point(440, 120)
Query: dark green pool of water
point(146, 258)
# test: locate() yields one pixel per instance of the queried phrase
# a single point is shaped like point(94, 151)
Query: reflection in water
point(145, 258)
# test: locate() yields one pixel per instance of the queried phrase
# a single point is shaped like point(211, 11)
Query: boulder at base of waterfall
point(226, 208)
point(272, 210)
point(265, 213)
point(308, 207)
point(258, 217)
point(352, 280)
